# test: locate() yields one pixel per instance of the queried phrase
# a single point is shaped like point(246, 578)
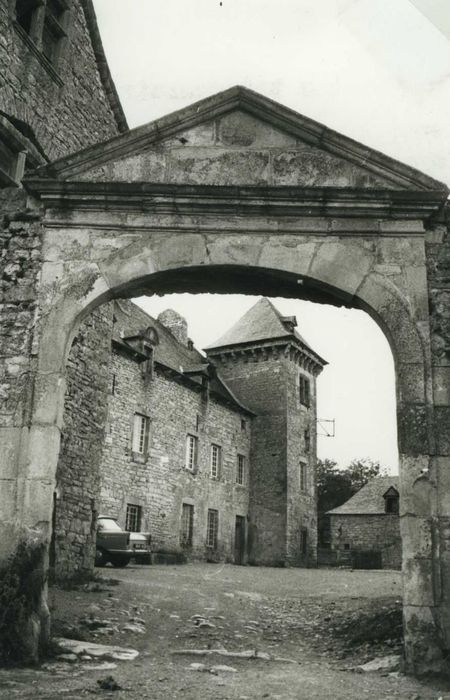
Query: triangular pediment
point(238, 137)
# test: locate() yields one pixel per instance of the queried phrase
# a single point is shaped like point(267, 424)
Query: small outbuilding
point(367, 527)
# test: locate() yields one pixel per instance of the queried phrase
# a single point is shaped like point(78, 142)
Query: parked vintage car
point(119, 546)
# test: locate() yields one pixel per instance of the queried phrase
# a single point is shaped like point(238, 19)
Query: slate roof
point(369, 499)
point(130, 319)
point(261, 322)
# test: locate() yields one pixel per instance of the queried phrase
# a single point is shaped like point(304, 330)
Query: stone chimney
point(176, 324)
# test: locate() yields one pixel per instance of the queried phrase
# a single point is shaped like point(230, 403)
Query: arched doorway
point(355, 234)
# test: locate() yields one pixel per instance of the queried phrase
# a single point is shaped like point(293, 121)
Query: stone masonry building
point(56, 97)
point(235, 193)
point(368, 524)
point(215, 456)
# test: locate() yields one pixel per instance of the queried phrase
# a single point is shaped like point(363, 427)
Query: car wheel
point(101, 558)
point(120, 561)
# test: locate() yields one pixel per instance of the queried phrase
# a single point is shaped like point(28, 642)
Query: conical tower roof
point(262, 322)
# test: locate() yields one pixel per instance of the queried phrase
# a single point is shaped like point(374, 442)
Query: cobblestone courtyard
point(290, 618)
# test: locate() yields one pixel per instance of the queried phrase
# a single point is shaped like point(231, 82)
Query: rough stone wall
point(160, 483)
point(367, 533)
point(20, 258)
point(437, 245)
point(66, 107)
point(301, 504)
point(266, 382)
point(260, 383)
point(77, 477)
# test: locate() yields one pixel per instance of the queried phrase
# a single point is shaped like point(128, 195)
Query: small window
point(303, 476)
point(191, 453)
point(140, 433)
point(216, 461)
point(307, 440)
point(346, 546)
point(243, 424)
point(113, 384)
point(187, 525)
point(304, 390)
point(240, 470)
point(12, 155)
point(392, 504)
point(304, 541)
point(391, 501)
point(212, 528)
point(133, 518)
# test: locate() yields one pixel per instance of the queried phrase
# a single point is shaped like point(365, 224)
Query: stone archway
point(359, 233)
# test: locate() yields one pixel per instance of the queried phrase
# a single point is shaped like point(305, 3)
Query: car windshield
point(108, 524)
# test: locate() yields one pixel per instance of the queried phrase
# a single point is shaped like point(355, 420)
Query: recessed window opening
point(240, 471)
point(212, 528)
point(191, 453)
point(216, 460)
point(304, 390)
point(187, 525)
point(303, 467)
point(140, 433)
point(133, 518)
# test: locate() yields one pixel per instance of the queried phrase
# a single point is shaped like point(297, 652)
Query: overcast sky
point(375, 70)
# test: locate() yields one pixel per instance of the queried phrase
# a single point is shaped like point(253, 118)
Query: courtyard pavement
point(214, 631)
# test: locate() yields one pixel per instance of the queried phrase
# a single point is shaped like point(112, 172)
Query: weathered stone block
point(350, 262)
point(42, 453)
point(49, 390)
point(240, 129)
point(380, 294)
point(217, 166)
point(410, 383)
point(441, 466)
point(413, 429)
point(10, 446)
point(423, 645)
point(441, 386)
point(442, 429)
point(418, 492)
point(148, 166)
point(416, 537)
point(8, 508)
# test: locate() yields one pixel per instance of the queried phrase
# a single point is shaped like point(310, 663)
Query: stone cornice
point(256, 351)
point(238, 201)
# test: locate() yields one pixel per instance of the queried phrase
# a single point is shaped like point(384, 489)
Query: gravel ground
point(304, 631)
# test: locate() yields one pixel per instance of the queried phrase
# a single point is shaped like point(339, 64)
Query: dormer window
point(290, 323)
point(391, 501)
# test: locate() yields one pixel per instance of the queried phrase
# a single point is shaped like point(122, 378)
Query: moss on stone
point(22, 579)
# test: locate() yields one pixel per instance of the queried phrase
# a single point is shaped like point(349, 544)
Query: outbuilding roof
point(369, 499)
